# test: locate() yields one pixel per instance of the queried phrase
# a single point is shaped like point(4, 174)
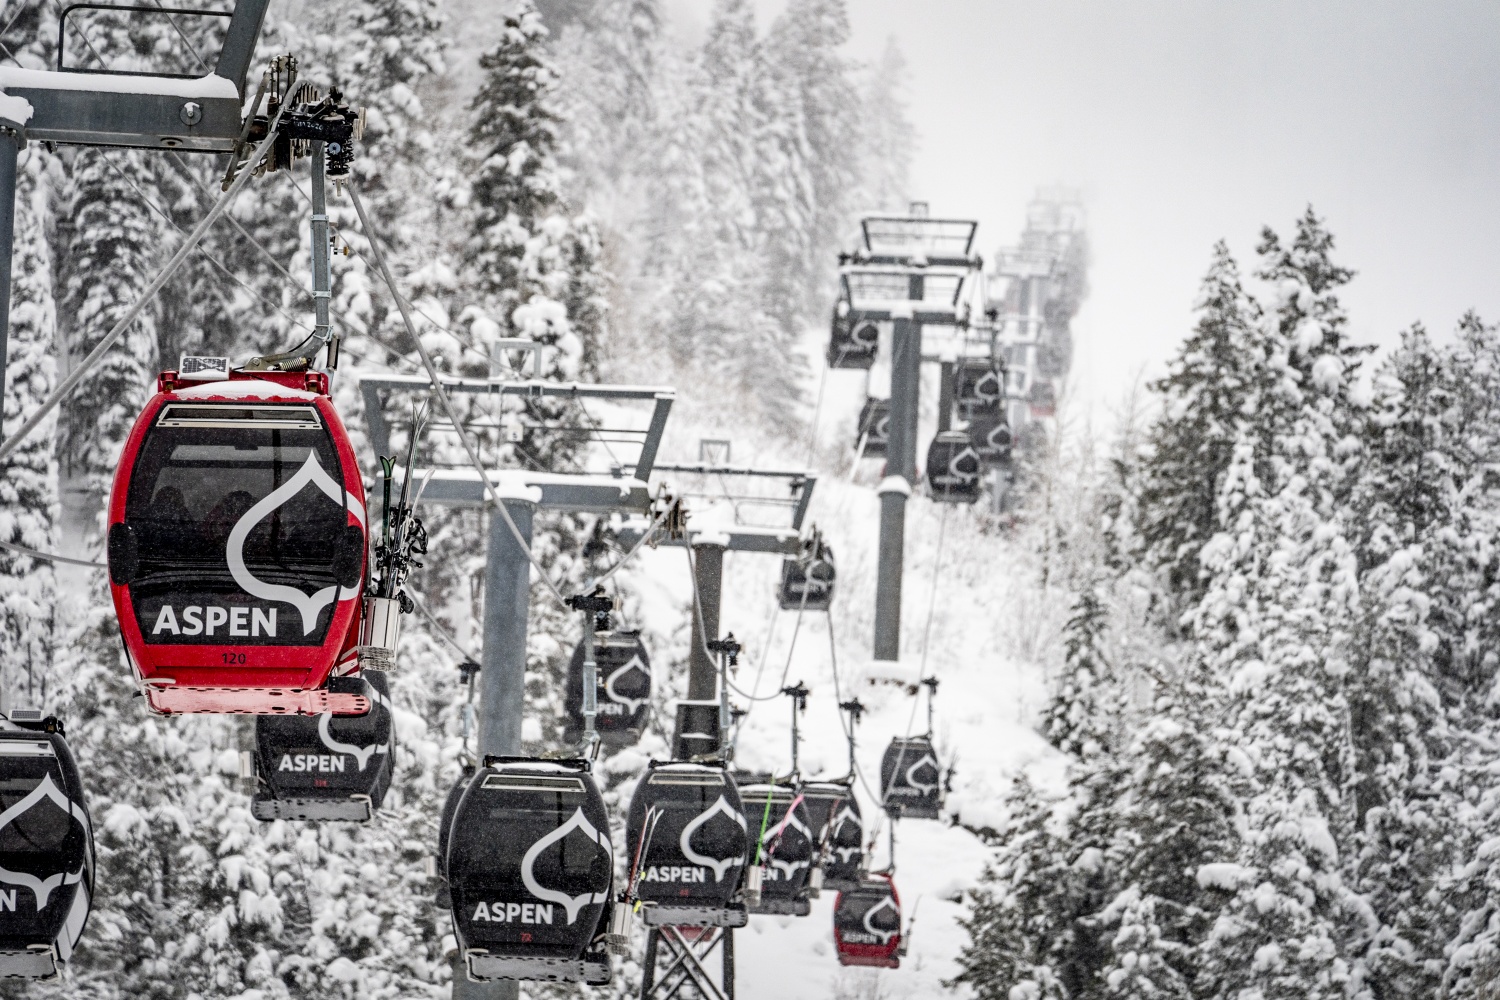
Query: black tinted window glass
point(192, 484)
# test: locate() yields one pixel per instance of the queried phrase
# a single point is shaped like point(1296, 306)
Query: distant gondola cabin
point(911, 779)
point(953, 468)
point(874, 431)
point(623, 678)
point(237, 546)
point(778, 815)
point(807, 580)
point(867, 924)
point(838, 831)
point(852, 343)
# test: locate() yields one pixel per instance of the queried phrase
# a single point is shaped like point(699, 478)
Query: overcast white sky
point(1185, 122)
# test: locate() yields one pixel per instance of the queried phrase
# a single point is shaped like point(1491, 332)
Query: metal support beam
point(901, 464)
point(11, 141)
point(507, 597)
point(703, 673)
point(945, 395)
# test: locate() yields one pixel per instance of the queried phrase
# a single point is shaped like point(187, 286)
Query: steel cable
point(97, 354)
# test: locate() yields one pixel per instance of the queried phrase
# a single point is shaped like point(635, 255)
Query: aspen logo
point(916, 779)
point(571, 904)
point(41, 888)
point(987, 388)
point(207, 621)
point(360, 754)
point(893, 916)
point(514, 913)
point(310, 606)
point(963, 469)
point(621, 702)
point(675, 873)
point(729, 814)
point(312, 762)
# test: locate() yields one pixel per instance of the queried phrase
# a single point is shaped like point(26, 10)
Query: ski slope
point(991, 632)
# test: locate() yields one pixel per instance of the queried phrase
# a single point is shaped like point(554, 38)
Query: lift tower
point(909, 272)
point(674, 960)
point(524, 492)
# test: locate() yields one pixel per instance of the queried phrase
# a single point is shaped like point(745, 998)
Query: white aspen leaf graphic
point(885, 904)
point(970, 456)
point(308, 605)
point(631, 704)
point(719, 865)
point(788, 868)
point(42, 887)
point(361, 755)
point(571, 904)
point(925, 787)
point(847, 815)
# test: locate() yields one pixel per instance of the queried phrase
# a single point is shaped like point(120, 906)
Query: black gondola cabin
point(778, 815)
point(807, 580)
point(531, 872)
point(443, 898)
point(46, 849)
point(852, 343)
point(979, 386)
point(991, 439)
point(686, 839)
point(911, 779)
point(624, 689)
point(953, 468)
point(838, 832)
point(867, 924)
point(875, 427)
point(327, 767)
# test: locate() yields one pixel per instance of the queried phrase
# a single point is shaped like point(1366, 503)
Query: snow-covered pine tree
point(1080, 718)
point(113, 247)
point(28, 478)
point(1408, 505)
point(1277, 622)
point(1033, 927)
point(1217, 371)
point(1175, 841)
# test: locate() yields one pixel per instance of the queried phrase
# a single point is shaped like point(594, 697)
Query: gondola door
point(990, 437)
point(979, 387)
point(327, 767)
point(46, 849)
point(686, 839)
point(531, 872)
point(237, 547)
point(867, 924)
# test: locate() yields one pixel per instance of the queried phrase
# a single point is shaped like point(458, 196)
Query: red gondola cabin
point(867, 924)
point(237, 546)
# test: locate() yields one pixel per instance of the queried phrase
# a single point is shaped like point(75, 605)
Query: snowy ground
point(991, 631)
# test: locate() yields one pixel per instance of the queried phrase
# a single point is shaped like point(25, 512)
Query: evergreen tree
point(28, 480)
point(1218, 374)
point(1079, 719)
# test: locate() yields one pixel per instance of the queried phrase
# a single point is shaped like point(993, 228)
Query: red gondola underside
point(858, 934)
point(237, 546)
